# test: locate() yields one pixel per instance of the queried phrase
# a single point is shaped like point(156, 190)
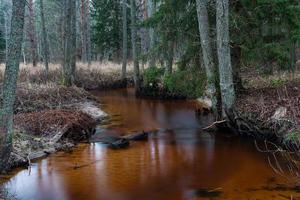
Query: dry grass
point(256, 80)
point(97, 75)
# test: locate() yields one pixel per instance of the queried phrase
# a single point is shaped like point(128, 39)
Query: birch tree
point(45, 44)
point(207, 51)
point(225, 68)
point(10, 81)
point(134, 45)
point(125, 36)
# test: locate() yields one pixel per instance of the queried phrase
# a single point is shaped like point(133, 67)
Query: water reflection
point(178, 162)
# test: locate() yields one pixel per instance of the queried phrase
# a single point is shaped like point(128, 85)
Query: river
point(179, 161)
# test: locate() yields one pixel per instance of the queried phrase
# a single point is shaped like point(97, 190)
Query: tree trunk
point(207, 52)
point(31, 33)
point(83, 31)
point(170, 57)
point(88, 24)
point(10, 82)
point(236, 55)
point(69, 46)
point(225, 68)
point(45, 39)
point(134, 45)
point(6, 24)
point(73, 40)
point(125, 36)
point(152, 33)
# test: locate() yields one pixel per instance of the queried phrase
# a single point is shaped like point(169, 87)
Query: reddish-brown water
point(179, 161)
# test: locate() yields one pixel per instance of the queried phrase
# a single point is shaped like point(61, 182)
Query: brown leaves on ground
point(34, 98)
point(74, 124)
point(263, 102)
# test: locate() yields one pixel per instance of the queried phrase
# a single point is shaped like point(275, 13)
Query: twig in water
point(213, 124)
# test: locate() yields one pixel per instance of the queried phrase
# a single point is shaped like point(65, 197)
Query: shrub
point(152, 75)
point(190, 83)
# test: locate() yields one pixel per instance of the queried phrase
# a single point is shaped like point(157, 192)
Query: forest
point(149, 99)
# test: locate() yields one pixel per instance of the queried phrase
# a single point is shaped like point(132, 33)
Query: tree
point(152, 33)
point(69, 43)
point(10, 81)
point(73, 40)
point(45, 44)
point(134, 45)
point(224, 57)
point(88, 24)
point(107, 34)
point(31, 33)
point(125, 37)
point(207, 51)
point(84, 31)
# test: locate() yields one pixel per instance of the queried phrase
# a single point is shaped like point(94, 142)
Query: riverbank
point(50, 118)
point(270, 109)
point(173, 159)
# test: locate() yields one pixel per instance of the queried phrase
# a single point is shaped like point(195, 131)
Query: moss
point(277, 82)
point(293, 137)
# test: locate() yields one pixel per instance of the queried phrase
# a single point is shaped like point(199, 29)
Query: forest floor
point(271, 105)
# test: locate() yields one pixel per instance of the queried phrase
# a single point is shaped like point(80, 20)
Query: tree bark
point(10, 82)
point(45, 45)
point(236, 55)
point(152, 34)
point(125, 36)
point(83, 31)
point(69, 54)
point(170, 57)
point(31, 33)
point(73, 40)
point(134, 45)
point(207, 51)
point(225, 68)
point(6, 34)
point(88, 24)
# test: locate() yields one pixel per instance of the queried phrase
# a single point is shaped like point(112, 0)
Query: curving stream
point(179, 161)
